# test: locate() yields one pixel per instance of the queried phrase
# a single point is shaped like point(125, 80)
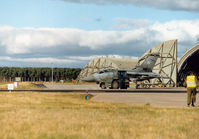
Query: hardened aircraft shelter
point(173, 73)
point(166, 64)
point(188, 63)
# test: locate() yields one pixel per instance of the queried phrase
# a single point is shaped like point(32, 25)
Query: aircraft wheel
point(136, 86)
point(102, 85)
point(115, 84)
point(124, 87)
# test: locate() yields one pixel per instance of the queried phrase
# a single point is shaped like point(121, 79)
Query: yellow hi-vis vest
point(191, 81)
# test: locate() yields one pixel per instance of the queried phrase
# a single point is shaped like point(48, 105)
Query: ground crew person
point(191, 84)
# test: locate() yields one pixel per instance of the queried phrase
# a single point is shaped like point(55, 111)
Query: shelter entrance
point(191, 64)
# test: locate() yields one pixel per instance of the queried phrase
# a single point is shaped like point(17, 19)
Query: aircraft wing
point(133, 74)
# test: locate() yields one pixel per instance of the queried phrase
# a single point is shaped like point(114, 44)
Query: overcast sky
point(69, 33)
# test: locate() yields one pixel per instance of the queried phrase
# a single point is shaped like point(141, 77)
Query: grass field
point(50, 115)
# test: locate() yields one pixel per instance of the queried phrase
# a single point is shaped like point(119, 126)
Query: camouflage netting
point(105, 62)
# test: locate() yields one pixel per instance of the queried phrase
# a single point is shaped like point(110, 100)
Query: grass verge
point(23, 85)
point(59, 115)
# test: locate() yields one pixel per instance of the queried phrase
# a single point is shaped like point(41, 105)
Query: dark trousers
point(191, 96)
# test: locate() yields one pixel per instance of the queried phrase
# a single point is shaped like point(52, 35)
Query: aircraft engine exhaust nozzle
point(89, 78)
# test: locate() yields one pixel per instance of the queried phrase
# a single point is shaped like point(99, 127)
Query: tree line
point(38, 74)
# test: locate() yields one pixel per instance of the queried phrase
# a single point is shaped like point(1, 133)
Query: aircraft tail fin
point(150, 61)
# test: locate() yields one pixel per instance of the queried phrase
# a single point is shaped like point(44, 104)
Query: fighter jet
point(114, 78)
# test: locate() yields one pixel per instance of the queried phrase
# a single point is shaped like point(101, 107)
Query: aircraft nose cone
point(89, 78)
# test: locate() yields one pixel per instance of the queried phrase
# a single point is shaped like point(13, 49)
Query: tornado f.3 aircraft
point(115, 79)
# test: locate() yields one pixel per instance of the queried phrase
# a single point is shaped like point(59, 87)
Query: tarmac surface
point(155, 97)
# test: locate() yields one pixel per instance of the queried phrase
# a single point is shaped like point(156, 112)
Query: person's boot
point(192, 103)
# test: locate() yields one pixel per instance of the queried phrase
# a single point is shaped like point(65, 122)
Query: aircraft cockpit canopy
point(106, 70)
